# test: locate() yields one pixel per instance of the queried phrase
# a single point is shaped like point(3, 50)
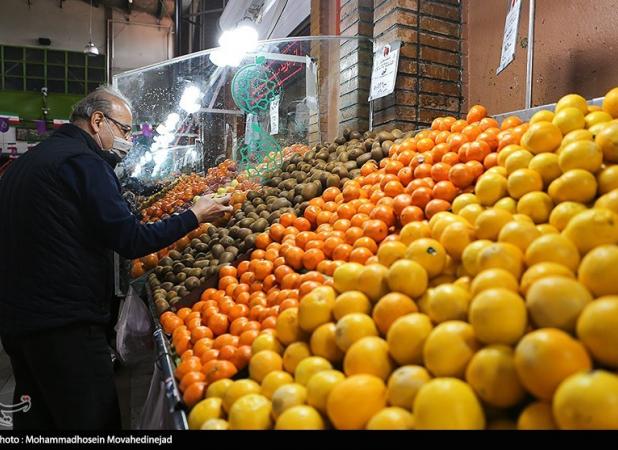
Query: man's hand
point(208, 209)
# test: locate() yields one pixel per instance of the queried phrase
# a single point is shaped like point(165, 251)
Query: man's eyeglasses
point(126, 129)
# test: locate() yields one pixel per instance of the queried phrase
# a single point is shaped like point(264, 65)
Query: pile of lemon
point(500, 314)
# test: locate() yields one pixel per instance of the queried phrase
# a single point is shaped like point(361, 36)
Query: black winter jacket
point(61, 215)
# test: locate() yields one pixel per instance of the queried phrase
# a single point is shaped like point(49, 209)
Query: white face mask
point(120, 147)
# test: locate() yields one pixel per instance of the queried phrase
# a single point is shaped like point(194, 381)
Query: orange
point(355, 400)
point(545, 357)
point(194, 393)
point(389, 308)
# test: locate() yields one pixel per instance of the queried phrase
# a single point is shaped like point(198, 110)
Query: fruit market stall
point(457, 277)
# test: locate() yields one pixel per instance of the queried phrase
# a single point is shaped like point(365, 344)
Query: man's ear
point(96, 121)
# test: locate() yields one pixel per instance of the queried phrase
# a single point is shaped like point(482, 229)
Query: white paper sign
point(384, 74)
point(274, 116)
point(509, 40)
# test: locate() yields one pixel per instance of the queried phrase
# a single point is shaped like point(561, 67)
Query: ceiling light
point(90, 49)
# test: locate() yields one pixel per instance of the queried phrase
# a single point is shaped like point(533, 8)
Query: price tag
point(384, 73)
point(274, 116)
point(509, 40)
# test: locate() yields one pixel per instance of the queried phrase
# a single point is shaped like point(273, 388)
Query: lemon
point(563, 213)
point(323, 343)
point(294, 354)
point(569, 119)
point(519, 159)
point(608, 201)
point(599, 270)
point(215, 424)
point(607, 140)
point(557, 302)
point(576, 135)
point(352, 327)
point(350, 302)
point(596, 117)
point(316, 308)
point(492, 375)
point(251, 412)
point(449, 348)
point(490, 188)
point(522, 181)
point(447, 302)
point(536, 205)
point(287, 396)
point(543, 115)
point(543, 270)
point(455, 238)
point(463, 200)
point(542, 137)
point(406, 338)
point(608, 179)
point(489, 223)
point(520, 234)
point(546, 228)
point(372, 281)
point(469, 257)
point(501, 255)
point(273, 381)
point(537, 416)
point(471, 212)
point(408, 277)
point(300, 417)
point(553, 248)
point(547, 166)
point(610, 103)
point(403, 385)
point(591, 228)
point(391, 419)
point(498, 316)
point(506, 152)
point(597, 328)
point(368, 355)
point(508, 204)
point(572, 100)
point(581, 155)
point(493, 279)
point(239, 389)
point(206, 409)
point(429, 253)
point(414, 230)
point(346, 277)
point(575, 185)
point(447, 403)
point(320, 385)
point(309, 367)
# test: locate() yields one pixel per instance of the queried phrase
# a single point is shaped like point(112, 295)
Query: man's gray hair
point(98, 100)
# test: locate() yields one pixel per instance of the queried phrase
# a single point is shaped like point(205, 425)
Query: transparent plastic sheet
point(133, 330)
point(155, 414)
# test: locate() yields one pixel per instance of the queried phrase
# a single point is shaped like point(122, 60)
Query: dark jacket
point(61, 215)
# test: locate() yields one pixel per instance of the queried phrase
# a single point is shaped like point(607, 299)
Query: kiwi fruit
point(174, 254)
point(180, 277)
point(376, 153)
point(258, 226)
point(217, 250)
point(226, 257)
point(362, 160)
point(192, 283)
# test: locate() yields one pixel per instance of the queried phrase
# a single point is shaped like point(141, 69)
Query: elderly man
point(62, 215)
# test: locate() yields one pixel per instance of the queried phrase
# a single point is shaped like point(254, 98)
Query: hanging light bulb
point(90, 49)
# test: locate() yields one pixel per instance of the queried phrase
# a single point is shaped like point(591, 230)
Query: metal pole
point(530, 58)
point(178, 24)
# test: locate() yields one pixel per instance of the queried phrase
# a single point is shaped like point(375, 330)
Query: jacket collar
point(75, 132)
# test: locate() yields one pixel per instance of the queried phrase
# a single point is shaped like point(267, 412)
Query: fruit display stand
point(459, 277)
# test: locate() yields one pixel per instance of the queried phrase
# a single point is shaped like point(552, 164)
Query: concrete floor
point(132, 384)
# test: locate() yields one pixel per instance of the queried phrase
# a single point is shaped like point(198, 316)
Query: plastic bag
point(134, 340)
point(155, 413)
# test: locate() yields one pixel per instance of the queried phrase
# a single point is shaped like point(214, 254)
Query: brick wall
point(355, 56)
point(429, 75)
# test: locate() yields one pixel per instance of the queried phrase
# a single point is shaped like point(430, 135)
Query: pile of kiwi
point(287, 189)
